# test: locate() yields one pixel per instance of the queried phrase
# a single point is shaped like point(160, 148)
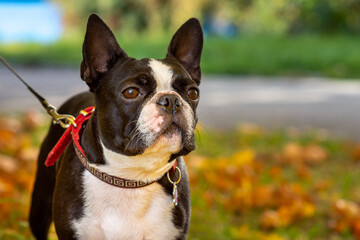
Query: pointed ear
point(100, 51)
point(186, 46)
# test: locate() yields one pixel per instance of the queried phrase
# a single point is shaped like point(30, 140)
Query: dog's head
point(144, 104)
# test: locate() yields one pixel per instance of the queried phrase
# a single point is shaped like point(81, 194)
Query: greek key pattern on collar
point(109, 179)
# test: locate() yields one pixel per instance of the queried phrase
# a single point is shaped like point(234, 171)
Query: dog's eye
point(193, 93)
point(131, 93)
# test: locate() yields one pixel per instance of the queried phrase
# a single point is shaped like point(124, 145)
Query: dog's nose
point(170, 102)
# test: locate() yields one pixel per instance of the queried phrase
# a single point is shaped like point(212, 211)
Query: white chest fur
point(116, 213)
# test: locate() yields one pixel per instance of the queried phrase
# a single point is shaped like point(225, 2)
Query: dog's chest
point(116, 213)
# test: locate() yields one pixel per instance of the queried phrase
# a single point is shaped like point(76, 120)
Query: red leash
point(71, 132)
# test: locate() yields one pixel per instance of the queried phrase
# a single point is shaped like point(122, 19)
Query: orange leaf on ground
point(346, 209)
point(9, 141)
point(28, 154)
point(263, 196)
point(6, 188)
point(270, 219)
point(307, 209)
point(356, 152)
point(292, 153)
point(7, 164)
point(303, 172)
point(315, 154)
point(243, 157)
point(276, 172)
point(346, 216)
point(322, 185)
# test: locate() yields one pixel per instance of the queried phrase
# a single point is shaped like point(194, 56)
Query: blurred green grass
point(334, 56)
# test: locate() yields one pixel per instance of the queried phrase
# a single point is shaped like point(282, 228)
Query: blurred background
point(278, 141)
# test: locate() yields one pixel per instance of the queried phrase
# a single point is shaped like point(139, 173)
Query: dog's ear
point(100, 51)
point(186, 46)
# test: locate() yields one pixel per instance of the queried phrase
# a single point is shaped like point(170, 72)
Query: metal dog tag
point(175, 195)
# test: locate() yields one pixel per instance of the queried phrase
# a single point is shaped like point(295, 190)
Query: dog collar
point(73, 133)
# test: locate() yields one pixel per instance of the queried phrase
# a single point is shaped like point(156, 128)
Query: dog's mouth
point(171, 130)
point(172, 134)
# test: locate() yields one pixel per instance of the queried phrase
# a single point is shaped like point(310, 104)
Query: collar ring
point(168, 176)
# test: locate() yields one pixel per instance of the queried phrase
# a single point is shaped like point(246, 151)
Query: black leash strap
point(63, 119)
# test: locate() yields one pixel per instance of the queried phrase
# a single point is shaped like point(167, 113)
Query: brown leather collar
point(110, 179)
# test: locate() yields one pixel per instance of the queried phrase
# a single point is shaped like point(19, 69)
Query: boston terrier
point(142, 124)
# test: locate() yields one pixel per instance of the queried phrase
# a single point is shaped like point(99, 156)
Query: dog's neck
point(90, 142)
point(149, 166)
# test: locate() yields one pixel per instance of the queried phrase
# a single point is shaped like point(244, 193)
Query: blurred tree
point(112, 11)
point(135, 15)
point(268, 17)
point(251, 16)
point(327, 16)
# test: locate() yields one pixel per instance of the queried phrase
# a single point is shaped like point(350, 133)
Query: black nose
point(170, 102)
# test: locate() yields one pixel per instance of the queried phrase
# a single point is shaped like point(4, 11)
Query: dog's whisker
point(129, 142)
point(133, 132)
point(137, 140)
point(136, 133)
point(135, 121)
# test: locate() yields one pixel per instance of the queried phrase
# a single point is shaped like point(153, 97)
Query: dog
point(142, 124)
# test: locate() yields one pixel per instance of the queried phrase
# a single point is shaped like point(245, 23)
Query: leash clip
point(64, 120)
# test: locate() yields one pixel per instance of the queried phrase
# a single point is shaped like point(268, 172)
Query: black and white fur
point(134, 138)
